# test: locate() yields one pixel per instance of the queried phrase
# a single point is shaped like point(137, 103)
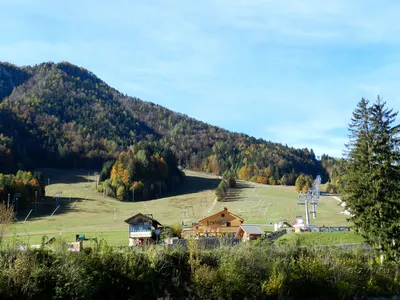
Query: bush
point(256, 271)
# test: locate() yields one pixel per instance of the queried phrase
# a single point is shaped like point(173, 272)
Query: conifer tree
point(372, 179)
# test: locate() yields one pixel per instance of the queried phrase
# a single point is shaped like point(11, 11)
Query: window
point(228, 224)
point(222, 215)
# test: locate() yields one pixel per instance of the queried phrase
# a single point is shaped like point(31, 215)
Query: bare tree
point(6, 218)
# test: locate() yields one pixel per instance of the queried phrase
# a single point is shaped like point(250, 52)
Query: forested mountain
point(62, 115)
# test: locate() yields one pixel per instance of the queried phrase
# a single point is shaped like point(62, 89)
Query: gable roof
point(154, 221)
point(252, 229)
point(224, 211)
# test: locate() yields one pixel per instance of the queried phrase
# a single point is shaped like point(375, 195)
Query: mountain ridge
point(69, 114)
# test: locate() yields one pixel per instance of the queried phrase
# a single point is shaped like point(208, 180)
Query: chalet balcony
point(206, 231)
point(219, 230)
point(140, 234)
point(140, 231)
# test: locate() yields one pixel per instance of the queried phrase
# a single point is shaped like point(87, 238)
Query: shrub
point(255, 271)
point(231, 182)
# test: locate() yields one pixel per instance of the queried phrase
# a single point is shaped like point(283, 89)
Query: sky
point(287, 71)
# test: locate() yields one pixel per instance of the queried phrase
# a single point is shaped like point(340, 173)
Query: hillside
point(61, 115)
point(84, 210)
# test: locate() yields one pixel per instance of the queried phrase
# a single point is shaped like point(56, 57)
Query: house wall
point(140, 242)
point(217, 225)
point(251, 236)
point(136, 227)
point(220, 221)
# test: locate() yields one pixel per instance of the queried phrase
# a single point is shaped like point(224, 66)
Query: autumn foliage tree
point(29, 185)
point(303, 183)
point(146, 169)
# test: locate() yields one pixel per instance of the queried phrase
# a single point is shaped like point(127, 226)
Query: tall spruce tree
point(372, 176)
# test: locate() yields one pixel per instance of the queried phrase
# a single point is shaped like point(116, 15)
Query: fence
point(275, 235)
point(330, 229)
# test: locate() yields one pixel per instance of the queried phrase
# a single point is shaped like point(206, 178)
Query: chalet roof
point(154, 221)
point(224, 211)
point(252, 229)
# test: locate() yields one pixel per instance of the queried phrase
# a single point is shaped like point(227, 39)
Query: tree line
point(24, 187)
point(222, 189)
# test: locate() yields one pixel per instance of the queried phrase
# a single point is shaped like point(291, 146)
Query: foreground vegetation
point(247, 271)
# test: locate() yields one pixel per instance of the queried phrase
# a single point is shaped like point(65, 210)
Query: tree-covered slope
point(63, 115)
point(10, 77)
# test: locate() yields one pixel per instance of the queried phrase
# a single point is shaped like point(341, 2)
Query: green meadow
point(85, 211)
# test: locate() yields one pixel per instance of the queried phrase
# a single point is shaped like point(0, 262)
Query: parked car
point(305, 229)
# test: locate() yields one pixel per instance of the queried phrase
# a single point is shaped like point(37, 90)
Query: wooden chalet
point(142, 229)
point(221, 224)
point(248, 232)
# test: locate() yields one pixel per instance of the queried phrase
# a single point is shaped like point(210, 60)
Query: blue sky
point(288, 71)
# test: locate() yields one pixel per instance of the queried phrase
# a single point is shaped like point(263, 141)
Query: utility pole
point(48, 181)
point(307, 212)
point(16, 198)
point(96, 178)
point(314, 209)
point(315, 195)
point(58, 194)
point(311, 197)
point(35, 201)
point(133, 194)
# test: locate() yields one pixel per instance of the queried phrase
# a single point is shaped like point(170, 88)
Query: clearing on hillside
point(84, 210)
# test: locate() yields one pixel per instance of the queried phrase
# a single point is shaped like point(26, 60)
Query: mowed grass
point(263, 204)
point(322, 238)
point(98, 216)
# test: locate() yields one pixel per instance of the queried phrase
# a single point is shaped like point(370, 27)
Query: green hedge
point(248, 271)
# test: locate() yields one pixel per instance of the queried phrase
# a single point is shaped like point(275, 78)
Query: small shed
point(249, 232)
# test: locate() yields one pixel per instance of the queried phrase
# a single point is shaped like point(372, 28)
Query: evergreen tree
point(372, 177)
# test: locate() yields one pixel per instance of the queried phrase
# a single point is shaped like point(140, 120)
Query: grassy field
point(88, 212)
point(322, 238)
point(263, 204)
